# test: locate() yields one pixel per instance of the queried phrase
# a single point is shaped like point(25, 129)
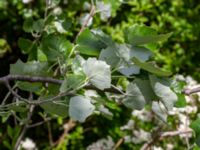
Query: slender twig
point(155, 138)
point(24, 129)
point(163, 135)
point(67, 127)
point(186, 126)
point(7, 95)
point(191, 91)
point(91, 14)
point(15, 94)
point(118, 89)
point(50, 133)
point(39, 123)
point(174, 133)
point(119, 142)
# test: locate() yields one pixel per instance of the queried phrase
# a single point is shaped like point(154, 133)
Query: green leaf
point(123, 82)
point(145, 87)
point(123, 51)
point(80, 108)
point(30, 68)
point(62, 25)
point(162, 89)
point(4, 48)
point(195, 125)
point(140, 53)
point(141, 40)
point(181, 102)
point(159, 111)
point(128, 68)
point(54, 3)
point(72, 82)
point(178, 86)
point(197, 140)
point(140, 35)
point(10, 131)
point(150, 67)
point(105, 112)
point(59, 108)
point(5, 115)
point(138, 93)
point(109, 56)
point(98, 73)
point(77, 63)
point(118, 55)
point(28, 25)
point(20, 107)
point(38, 25)
point(88, 44)
point(55, 46)
point(41, 56)
point(31, 87)
point(106, 39)
point(26, 45)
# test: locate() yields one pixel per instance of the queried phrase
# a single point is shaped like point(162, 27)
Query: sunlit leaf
point(140, 53)
point(77, 63)
point(138, 93)
point(134, 99)
point(128, 68)
point(80, 108)
point(109, 56)
point(159, 110)
point(162, 89)
point(98, 73)
point(30, 68)
point(72, 82)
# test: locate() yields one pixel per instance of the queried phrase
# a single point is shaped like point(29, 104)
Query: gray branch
point(191, 91)
point(29, 79)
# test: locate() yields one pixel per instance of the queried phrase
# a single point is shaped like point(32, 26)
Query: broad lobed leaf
point(162, 89)
point(98, 72)
point(80, 108)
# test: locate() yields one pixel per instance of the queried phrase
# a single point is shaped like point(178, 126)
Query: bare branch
point(7, 95)
point(163, 135)
point(24, 129)
point(29, 79)
point(67, 127)
point(91, 14)
point(39, 123)
point(15, 94)
point(119, 143)
point(191, 91)
point(5, 80)
point(175, 133)
point(50, 133)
